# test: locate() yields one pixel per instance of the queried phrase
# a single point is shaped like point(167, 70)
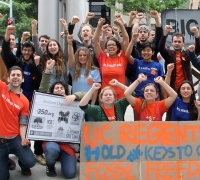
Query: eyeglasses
point(108, 45)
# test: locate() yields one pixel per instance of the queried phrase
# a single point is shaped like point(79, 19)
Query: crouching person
point(13, 123)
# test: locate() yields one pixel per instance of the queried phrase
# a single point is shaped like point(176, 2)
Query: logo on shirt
point(10, 102)
point(112, 65)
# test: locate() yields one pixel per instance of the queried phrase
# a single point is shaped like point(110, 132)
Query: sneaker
point(11, 164)
point(40, 159)
point(26, 172)
point(50, 171)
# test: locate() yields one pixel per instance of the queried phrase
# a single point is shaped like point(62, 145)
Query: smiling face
point(147, 53)
point(150, 93)
point(53, 47)
point(107, 97)
point(59, 89)
point(82, 57)
point(112, 48)
point(15, 79)
point(86, 33)
point(27, 52)
point(186, 91)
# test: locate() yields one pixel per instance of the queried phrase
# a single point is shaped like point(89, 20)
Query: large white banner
point(51, 119)
point(181, 20)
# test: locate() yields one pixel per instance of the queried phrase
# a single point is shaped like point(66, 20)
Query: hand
point(194, 30)
point(132, 14)
point(96, 86)
point(1, 16)
point(139, 16)
point(10, 29)
point(50, 64)
point(101, 21)
point(26, 35)
point(135, 36)
point(154, 14)
point(25, 142)
point(117, 16)
point(158, 80)
point(104, 28)
point(34, 24)
point(191, 48)
point(170, 67)
point(118, 22)
point(115, 30)
point(70, 38)
point(167, 29)
point(113, 82)
point(197, 104)
point(37, 60)
point(75, 19)
point(70, 99)
point(90, 15)
point(142, 77)
point(62, 34)
point(63, 23)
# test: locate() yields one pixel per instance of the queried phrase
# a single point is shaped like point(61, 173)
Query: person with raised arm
point(110, 109)
point(148, 109)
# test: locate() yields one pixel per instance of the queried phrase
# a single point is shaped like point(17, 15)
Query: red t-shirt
point(12, 106)
point(113, 68)
point(110, 113)
point(150, 109)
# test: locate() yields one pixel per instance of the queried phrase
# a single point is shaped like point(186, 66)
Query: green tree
point(145, 6)
point(24, 11)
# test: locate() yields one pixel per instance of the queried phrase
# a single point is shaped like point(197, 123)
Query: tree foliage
point(145, 5)
point(24, 11)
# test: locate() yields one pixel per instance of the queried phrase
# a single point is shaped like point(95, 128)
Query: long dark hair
point(192, 108)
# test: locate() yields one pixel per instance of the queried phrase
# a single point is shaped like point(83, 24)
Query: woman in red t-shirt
point(113, 63)
point(148, 109)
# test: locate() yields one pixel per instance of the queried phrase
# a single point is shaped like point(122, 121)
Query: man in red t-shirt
point(13, 123)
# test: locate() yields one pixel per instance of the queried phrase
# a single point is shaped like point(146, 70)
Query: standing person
point(54, 51)
point(40, 45)
point(184, 108)
point(110, 108)
point(178, 56)
point(148, 109)
point(113, 63)
point(13, 123)
point(146, 65)
point(83, 71)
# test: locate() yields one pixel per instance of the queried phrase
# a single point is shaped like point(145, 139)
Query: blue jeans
point(24, 153)
point(68, 163)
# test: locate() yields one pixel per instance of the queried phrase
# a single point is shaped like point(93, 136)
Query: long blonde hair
point(89, 63)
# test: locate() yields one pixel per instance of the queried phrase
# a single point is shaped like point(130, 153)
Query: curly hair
point(89, 63)
point(58, 57)
point(51, 89)
point(117, 44)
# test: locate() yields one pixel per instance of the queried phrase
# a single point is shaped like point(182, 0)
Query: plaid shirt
point(170, 57)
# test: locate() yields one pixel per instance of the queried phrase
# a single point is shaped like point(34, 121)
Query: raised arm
point(197, 104)
point(97, 48)
point(195, 31)
point(172, 94)
point(114, 82)
point(129, 91)
point(195, 61)
point(136, 25)
point(124, 33)
point(170, 68)
point(85, 100)
point(130, 48)
point(71, 58)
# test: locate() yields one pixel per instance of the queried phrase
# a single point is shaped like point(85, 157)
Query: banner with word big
point(140, 151)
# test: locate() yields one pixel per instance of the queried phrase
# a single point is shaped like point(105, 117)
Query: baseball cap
point(143, 27)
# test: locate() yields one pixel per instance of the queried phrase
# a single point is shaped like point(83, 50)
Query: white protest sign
point(51, 119)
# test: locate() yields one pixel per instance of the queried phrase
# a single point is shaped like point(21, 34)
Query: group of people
point(107, 72)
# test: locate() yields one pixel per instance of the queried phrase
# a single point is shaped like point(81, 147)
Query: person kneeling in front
point(13, 123)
